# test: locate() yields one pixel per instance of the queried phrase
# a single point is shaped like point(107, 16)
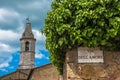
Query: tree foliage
point(73, 23)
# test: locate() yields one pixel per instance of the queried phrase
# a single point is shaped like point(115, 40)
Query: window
point(27, 46)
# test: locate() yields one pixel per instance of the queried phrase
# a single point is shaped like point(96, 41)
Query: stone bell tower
point(27, 52)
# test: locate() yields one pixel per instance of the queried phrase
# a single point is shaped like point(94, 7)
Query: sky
point(13, 14)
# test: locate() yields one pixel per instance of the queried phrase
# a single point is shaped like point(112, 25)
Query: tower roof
point(28, 30)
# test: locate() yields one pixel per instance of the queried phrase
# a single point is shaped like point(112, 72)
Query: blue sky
point(13, 14)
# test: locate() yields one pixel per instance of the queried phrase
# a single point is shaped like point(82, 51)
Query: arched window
point(27, 46)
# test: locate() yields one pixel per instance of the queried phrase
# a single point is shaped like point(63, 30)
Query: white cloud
point(5, 63)
point(6, 50)
point(7, 15)
point(8, 35)
point(5, 47)
point(8, 42)
point(39, 56)
point(4, 70)
point(38, 35)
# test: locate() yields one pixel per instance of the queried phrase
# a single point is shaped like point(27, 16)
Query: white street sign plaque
point(90, 55)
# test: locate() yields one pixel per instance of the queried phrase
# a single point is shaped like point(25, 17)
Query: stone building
point(27, 52)
point(45, 72)
point(27, 69)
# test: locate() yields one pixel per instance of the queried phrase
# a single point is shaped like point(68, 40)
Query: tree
point(74, 23)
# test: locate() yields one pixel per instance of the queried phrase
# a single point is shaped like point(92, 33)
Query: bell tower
point(27, 52)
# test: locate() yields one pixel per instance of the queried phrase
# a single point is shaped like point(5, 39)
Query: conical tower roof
point(28, 31)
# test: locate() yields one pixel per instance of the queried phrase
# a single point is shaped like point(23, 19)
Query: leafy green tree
point(73, 23)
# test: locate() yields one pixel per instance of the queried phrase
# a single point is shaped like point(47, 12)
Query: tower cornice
point(27, 39)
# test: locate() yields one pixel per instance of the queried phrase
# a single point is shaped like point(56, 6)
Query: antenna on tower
point(28, 19)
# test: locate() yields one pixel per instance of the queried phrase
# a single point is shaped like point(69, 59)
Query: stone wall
point(17, 75)
point(108, 70)
point(46, 72)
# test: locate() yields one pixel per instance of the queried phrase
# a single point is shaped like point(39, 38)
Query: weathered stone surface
point(45, 72)
point(27, 52)
point(17, 75)
point(109, 70)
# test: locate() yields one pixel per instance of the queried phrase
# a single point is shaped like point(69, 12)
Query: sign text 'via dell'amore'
point(90, 55)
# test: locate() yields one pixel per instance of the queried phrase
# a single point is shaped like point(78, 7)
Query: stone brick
point(46, 72)
point(109, 70)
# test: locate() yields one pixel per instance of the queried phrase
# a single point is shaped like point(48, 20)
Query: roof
point(28, 31)
point(22, 74)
